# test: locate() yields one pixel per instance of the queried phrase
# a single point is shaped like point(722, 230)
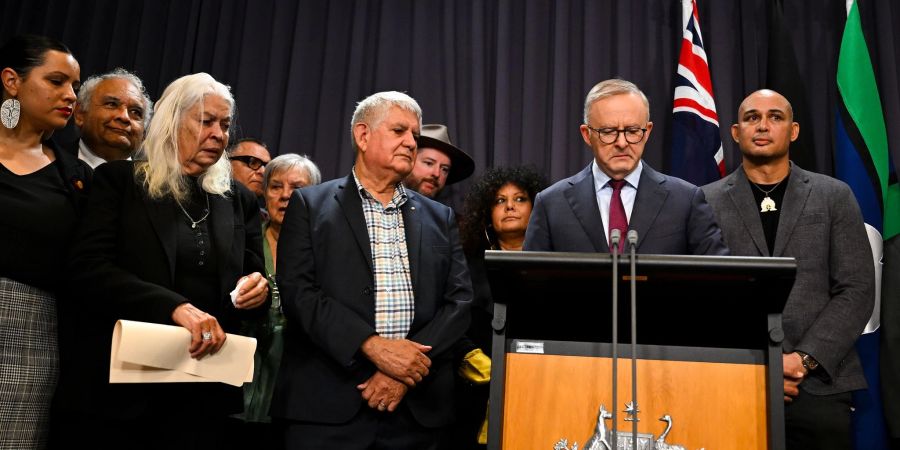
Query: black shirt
point(37, 223)
point(769, 219)
point(196, 276)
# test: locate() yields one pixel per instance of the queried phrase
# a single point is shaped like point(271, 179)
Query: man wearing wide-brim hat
point(438, 162)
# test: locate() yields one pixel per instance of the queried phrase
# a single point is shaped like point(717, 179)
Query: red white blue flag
point(697, 154)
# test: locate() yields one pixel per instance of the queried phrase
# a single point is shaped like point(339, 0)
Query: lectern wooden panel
point(726, 408)
point(708, 349)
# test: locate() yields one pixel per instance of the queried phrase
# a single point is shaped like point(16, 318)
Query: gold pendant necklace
point(767, 204)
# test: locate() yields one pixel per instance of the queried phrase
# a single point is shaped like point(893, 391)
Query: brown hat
point(461, 164)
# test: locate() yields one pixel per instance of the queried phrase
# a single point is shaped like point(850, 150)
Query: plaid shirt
point(394, 296)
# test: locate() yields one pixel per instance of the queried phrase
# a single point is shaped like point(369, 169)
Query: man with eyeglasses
point(249, 157)
point(619, 191)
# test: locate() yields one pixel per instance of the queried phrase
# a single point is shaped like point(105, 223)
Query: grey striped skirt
point(29, 364)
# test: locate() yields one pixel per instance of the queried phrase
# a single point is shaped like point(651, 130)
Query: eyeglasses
point(252, 162)
point(633, 135)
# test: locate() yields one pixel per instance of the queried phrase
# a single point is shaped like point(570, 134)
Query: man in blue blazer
point(671, 216)
point(375, 288)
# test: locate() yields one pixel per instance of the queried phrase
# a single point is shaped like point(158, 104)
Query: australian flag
point(697, 154)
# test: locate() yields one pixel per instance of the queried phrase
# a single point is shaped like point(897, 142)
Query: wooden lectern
point(709, 349)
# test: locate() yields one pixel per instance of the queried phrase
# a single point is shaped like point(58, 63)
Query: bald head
point(765, 128)
point(767, 94)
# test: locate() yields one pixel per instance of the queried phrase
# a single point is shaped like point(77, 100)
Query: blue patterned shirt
point(394, 296)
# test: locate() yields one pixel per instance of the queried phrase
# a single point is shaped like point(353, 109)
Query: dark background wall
point(508, 77)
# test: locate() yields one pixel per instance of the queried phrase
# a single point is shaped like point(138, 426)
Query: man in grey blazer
point(771, 207)
point(618, 190)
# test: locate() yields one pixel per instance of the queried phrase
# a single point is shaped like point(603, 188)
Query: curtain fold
point(507, 77)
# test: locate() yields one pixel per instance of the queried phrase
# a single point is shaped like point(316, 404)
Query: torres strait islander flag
point(862, 160)
point(697, 154)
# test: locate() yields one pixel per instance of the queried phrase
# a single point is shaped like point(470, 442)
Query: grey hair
point(160, 168)
point(87, 90)
point(288, 161)
point(372, 109)
point(609, 88)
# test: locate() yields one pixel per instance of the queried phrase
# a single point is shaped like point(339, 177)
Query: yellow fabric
point(476, 367)
point(482, 434)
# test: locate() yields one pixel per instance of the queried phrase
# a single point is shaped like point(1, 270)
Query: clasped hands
point(401, 365)
point(207, 336)
point(794, 372)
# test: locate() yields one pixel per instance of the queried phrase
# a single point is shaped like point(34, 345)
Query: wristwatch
point(809, 363)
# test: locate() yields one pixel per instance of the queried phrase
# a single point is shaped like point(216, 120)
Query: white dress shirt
point(604, 192)
point(85, 154)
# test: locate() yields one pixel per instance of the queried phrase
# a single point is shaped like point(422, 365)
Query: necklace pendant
point(767, 204)
point(193, 225)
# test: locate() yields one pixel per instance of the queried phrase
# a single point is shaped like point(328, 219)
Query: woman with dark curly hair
point(498, 207)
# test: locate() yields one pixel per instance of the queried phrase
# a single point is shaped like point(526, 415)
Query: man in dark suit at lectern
point(618, 190)
point(771, 207)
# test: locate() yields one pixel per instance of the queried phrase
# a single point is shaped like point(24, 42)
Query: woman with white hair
point(166, 238)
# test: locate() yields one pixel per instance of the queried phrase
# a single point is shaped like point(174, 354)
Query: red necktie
point(617, 218)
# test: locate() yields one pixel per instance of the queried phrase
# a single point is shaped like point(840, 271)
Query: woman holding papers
point(42, 191)
point(166, 239)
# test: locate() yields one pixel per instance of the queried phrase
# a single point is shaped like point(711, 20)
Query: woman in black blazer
point(166, 238)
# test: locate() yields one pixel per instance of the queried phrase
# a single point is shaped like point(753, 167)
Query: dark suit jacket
point(122, 267)
point(670, 215)
point(821, 226)
point(325, 277)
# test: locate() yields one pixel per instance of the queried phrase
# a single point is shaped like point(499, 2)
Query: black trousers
point(368, 430)
point(818, 422)
point(100, 432)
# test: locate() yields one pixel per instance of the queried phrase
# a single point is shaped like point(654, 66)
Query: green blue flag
point(862, 160)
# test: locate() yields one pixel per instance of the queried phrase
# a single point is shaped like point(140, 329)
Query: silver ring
point(382, 406)
point(207, 335)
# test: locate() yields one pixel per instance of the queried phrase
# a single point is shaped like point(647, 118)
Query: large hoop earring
point(9, 113)
point(487, 236)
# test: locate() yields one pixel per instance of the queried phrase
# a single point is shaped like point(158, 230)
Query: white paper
point(154, 353)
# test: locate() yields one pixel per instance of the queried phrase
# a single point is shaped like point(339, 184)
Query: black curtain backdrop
point(508, 77)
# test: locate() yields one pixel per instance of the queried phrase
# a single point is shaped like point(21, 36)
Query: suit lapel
point(348, 199)
point(162, 217)
point(651, 195)
point(221, 226)
point(582, 198)
point(795, 196)
point(738, 190)
point(413, 228)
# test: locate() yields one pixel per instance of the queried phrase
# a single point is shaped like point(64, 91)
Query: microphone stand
point(632, 244)
point(615, 236)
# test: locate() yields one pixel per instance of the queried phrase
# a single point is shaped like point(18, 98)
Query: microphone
point(632, 245)
point(614, 237)
point(632, 238)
